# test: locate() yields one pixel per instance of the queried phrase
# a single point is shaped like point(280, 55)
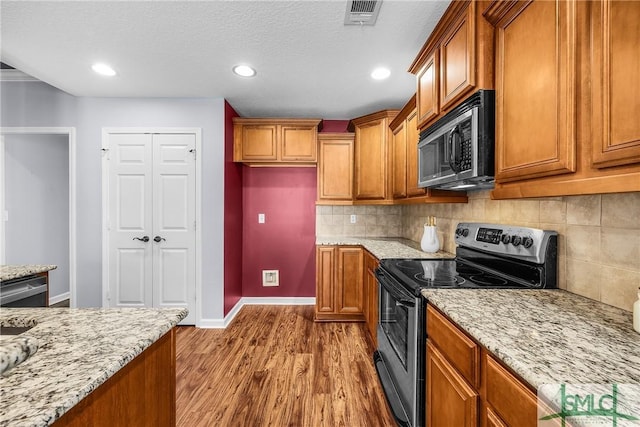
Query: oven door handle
point(400, 299)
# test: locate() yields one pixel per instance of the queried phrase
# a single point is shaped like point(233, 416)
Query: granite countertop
point(391, 247)
point(8, 272)
point(547, 336)
point(79, 349)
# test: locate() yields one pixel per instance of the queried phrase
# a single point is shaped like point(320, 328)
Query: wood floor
point(273, 366)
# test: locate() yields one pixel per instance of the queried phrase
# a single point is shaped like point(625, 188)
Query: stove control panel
point(529, 244)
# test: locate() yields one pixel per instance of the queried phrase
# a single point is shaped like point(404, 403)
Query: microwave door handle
point(453, 163)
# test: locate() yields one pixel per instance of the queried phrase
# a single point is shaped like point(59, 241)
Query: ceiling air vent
point(362, 12)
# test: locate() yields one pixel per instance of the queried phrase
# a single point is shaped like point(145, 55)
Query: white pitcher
point(430, 242)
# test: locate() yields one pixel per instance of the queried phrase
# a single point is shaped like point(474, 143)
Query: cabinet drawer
point(512, 401)
point(459, 349)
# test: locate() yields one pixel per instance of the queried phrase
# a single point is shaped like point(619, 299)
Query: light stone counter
point(79, 349)
point(8, 272)
point(384, 247)
point(547, 336)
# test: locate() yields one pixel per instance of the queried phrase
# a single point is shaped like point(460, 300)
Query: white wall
point(37, 200)
point(38, 104)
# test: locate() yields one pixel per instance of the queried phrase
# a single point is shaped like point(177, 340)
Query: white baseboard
point(59, 298)
point(223, 323)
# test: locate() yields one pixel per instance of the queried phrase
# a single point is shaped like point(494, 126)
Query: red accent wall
point(339, 126)
point(286, 241)
point(232, 216)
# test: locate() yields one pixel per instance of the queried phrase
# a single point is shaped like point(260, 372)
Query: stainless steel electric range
point(488, 256)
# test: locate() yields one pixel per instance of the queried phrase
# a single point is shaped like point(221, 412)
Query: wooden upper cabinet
point(404, 152)
point(298, 143)
point(427, 96)
point(457, 58)
point(399, 160)
point(455, 61)
point(372, 160)
point(615, 83)
point(535, 90)
point(257, 142)
point(275, 142)
point(335, 167)
point(412, 156)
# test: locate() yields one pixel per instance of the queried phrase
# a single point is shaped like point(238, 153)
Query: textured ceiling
point(309, 63)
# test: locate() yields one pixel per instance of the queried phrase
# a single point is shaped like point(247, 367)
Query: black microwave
point(457, 151)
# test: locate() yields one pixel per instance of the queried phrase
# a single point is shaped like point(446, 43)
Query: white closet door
point(174, 219)
point(151, 204)
point(130, 219)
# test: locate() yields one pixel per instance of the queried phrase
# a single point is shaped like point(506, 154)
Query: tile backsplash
point(599, 235)
point(371, 221)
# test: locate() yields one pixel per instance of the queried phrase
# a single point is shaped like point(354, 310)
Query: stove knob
point(516, 240)
point(527, 242)
point(458, 231)
point(505, 239)
point(465, 232)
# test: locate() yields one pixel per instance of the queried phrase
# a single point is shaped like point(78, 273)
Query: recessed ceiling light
point(103, 69)
point(244, 71)
point(380, 73)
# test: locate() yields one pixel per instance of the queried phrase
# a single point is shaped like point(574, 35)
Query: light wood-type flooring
point(273, 366)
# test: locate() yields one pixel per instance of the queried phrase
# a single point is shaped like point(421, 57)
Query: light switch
point(260, 218)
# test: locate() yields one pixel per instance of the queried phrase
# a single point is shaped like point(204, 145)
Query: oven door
point(398, 358)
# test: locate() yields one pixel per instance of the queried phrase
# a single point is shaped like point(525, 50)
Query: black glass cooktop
point(444, 273)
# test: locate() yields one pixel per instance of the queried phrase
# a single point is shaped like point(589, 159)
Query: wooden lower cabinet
point(467, 386)
point(451, 401)
point(507, 397)
point(339, 275)
point(371, 296)
point(142, 393)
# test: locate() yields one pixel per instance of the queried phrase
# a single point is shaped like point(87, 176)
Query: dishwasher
point(29, 291)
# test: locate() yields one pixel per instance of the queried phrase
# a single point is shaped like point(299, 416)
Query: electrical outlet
point(270, 278)
point(261, 218)
point(353, 219)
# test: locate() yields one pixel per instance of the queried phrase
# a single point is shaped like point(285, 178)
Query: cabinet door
point(371, 160)
point(325, 279)
point(616, 83)
point(450, 400)
point(299, 143)
point(535, 93)
point(492, 420)
point(335, 168)
point(399, 161)
point(258, 142)
point(349, 280)
point(427, 91)
point(412, 156)
point(509, 398)
point(457, 59)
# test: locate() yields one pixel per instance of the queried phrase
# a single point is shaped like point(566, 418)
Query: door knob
point(157, 239)
point(143, 239)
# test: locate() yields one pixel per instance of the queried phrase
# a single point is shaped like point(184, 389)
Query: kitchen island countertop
point(8, 272)
point(384, 247)
point(79, 349)
point(547, 336)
